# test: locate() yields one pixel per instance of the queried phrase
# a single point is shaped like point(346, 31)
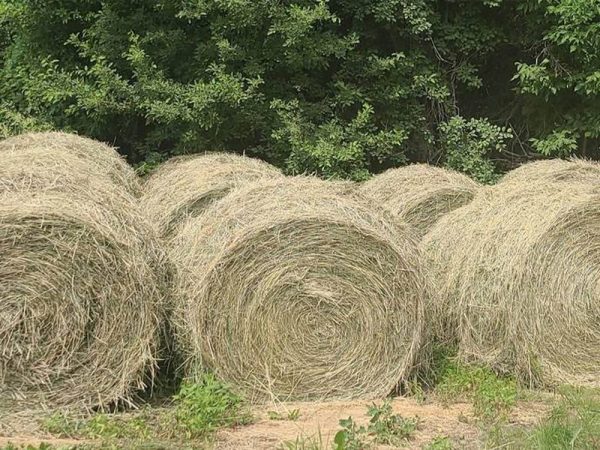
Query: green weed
point(574, 423)
point(492, 396)
point(209, 404)
point(44, 446)
point(304, 443)
point(439, 443)
point(384, 428)
point(292, 415)
point(61, 425)
point(388, 428)
point(351, 436)
point(100, 426)
point(198, 410)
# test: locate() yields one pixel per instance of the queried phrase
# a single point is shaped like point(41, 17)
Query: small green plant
point(384, 428)
point(388, 428)
point(100, 426)
point(492, 396)
point(41, 446)
point(351, 436)
point(439, 443)
point(61, 425)
point(107, 426)
point(204, 406)
point(292, 415)
point(304, 443)
point(573, 423)
point(274, 415)
point(198, 410)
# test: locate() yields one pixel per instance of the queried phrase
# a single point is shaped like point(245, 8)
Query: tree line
point(338, 88)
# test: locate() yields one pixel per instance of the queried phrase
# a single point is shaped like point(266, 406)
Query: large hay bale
point(289, 289)
point(420, 194)
point(574, 170)
point(518, 272)
point(81, 299)
point(185, 186)
point(41, 156)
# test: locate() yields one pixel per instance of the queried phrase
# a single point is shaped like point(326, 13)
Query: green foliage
point(439, 443)
point(104, 426)
point(206, 405)
point(61, 425)
point(292, 415)
point(388, 428)
point(492, 396)
point(559, 143)
point(46, 446)
point(384, 428)
point(573, 423)
point(341, 89)
point(332, 149)
point(563, 80)
point(13, 122)
point(304, 443)
point(351, 436)
point(198, 410)
point(469, 143)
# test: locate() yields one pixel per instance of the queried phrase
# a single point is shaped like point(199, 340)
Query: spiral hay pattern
point(81, 301)
point(185, 186)
point(518, 273)
point(292, 290)
point(420, 194)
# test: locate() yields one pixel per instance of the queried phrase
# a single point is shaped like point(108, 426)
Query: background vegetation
point(340, 88)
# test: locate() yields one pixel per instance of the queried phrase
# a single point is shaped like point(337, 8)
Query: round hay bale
point(41, 171)
point(81, 300)
point(420, 194)
point(518, 273)
point(574, 170)
point(289, 289)
point(185, 186)
point(43, 155)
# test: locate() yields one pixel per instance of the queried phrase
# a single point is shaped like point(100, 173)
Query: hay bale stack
point(559, 171)
point(185, 186)
point(518, 273)
point(81, 299)
point(420, 194)
point(41, 156)
point(289, 289)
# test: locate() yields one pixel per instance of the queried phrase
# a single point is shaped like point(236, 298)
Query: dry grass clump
point(41, 156)
point(289, 289)
point(81, 299)
point(574, 170)
point(518, 273)
point(185, 186)
point(420, 194)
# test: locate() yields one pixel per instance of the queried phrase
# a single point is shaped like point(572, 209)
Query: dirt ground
point(321, 421)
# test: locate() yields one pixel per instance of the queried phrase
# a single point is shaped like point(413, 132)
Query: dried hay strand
point(420, 194)
point(518, 273)
point(573, 170)
point(289, 289)
point(81, 300)
point(41, 156)
point(185, 186)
